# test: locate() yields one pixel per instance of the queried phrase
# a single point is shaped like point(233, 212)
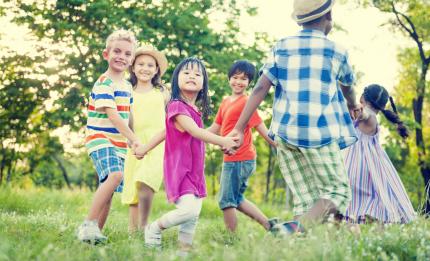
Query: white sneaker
point(152, 236)
point(89, 232)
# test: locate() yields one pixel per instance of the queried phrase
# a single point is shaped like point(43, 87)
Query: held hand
point(239, 140)
point(355, 111)
point(229, 144)
point(140, 151)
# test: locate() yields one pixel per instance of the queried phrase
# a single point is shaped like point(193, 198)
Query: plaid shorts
point(313, 174)
point(107, 161)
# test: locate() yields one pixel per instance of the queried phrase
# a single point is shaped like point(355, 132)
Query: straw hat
point(308, 10)
point(157, 55)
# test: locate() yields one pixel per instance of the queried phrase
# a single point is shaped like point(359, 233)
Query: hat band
point(316, 11)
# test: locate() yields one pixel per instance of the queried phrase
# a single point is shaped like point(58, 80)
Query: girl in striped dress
point(377, 191)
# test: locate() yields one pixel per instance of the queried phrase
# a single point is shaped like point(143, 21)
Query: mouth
point(191, 82)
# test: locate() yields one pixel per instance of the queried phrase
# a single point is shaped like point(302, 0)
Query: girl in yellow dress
point(142, 178)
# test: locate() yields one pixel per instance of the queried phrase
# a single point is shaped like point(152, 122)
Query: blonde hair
point(121, 34)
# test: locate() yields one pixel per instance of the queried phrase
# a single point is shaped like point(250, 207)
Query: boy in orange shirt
point(238, 168)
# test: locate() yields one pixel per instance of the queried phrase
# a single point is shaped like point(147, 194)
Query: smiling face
point(119, 55)
point(145, 68)
point(238, 83)
point(190, 79)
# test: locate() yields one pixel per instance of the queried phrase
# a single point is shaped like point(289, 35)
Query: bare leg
point(319, 210)
point(252, 211)
point(230, 218)
point(132, 217)
point(103, 195)
point(146, 194)
point(104, 213)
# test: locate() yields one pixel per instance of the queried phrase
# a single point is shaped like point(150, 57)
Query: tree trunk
point(419, 138)
point(63, 170)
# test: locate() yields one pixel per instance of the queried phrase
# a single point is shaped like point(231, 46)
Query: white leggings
point(185, 215)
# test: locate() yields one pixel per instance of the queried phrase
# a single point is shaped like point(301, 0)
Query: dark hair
point(378, 97)
point(202, 100)
point(156, 80)
point(242, 66)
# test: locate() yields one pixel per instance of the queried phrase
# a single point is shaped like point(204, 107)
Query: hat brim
point(159, 57)
point(300, 19)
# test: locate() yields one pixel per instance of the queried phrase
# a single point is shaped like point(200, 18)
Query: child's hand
point(140, 150)
point(230, 145)
point(273, 143)
point(355, 111)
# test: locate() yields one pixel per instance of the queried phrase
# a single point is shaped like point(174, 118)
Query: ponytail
point(393, 117)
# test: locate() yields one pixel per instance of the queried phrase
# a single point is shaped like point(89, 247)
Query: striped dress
point(377, 190)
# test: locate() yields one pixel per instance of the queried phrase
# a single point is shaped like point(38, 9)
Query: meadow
point(40, 224)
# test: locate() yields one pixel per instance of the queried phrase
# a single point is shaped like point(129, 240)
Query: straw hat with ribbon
point(157, 55)
point(308, 10)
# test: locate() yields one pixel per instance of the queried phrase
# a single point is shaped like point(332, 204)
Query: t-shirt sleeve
point(103, 96)
point(176, 108)
point(255, 120)
point(270, 68)
point(346, 74)
point(218, 117)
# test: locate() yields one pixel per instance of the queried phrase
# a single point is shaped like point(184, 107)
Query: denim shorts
point(234, 181)
point(107, 161)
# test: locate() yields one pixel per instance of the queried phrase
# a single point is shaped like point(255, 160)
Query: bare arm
point(258, 94)
point(214, 128)
point(120, 125)
point(349, 94)
point(142, 150)
point(263, 131)
point(185, 123)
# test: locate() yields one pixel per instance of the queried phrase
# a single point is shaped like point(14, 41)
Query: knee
point(116, 177)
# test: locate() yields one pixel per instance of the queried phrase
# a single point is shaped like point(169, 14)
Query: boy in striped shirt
point(108, 129)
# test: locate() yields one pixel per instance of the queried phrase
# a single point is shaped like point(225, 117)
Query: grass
point(40, 224)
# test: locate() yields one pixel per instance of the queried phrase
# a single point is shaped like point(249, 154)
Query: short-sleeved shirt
point(100, 132)
point(184, 155)
point(227, 116)
point(309, 109)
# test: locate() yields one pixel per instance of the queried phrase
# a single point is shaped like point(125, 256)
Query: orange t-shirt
point(227, 116)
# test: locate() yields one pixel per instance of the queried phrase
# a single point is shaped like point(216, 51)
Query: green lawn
point(40, 224)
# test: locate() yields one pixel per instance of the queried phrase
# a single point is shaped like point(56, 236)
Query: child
point(377, 191)
point(310, 120)
point(143, 178)
point(108, 130)
point(184, 152)
point(238, 168)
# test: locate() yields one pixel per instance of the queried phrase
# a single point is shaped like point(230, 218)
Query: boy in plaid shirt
point(311, 121)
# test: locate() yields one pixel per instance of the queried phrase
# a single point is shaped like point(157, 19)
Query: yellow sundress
point(148, 119)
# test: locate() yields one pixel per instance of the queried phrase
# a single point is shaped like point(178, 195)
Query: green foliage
point(73, 34)
point(40, 224)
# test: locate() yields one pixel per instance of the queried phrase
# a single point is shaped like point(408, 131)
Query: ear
point(105, 54)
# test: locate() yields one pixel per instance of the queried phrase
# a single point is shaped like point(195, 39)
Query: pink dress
point(184, 155)
point(377, 190)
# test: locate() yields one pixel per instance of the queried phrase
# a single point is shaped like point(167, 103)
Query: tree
point(74, 31)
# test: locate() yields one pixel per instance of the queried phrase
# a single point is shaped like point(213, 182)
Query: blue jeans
point(234, 181)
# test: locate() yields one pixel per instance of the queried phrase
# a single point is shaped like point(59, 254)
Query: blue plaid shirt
point(309, 109)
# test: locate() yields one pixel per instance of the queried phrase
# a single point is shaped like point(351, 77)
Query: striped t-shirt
point(100, 132)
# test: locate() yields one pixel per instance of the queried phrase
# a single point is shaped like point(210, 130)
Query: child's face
point(238, 83)
point(190, 78)
point(119, 55)
point(145, 68)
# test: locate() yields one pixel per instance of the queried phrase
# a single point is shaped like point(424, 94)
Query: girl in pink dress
point(377, 191)
point(184, 152)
